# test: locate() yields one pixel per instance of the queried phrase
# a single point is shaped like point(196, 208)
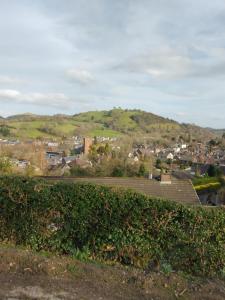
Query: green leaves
point(113, 224)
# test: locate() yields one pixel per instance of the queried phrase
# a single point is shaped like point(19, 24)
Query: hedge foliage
point(207, 183)
point(113, 224)
point(205, 180)
point(208, 186)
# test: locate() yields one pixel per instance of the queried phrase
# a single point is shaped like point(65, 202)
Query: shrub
point(5, 166)
point(208, 186)
point(207, 183)
point(5, 130)
point(111, 224)
point(142, 170)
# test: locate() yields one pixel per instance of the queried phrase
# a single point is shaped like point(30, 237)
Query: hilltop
point(112, 123)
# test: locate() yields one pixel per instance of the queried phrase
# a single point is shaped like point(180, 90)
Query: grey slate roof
point(181, 191)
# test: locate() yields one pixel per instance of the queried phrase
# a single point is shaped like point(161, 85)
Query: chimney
point(166, 179)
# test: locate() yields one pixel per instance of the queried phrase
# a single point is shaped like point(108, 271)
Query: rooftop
point(181, 191)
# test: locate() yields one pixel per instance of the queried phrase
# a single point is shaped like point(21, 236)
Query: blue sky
point(166, 57)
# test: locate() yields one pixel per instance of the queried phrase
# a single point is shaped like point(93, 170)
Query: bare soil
point(26, 275)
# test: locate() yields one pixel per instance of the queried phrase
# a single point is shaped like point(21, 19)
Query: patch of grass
point(104, 132)
point(73, 269)
point(166, 268)
point(46, 254)
point(32, 128)
point(82, 255)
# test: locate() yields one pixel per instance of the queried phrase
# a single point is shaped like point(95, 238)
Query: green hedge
point(112, 224)
point(208, 186)
point(205, 180)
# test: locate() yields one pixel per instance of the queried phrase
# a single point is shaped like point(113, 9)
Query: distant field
point(33, 129)
point(104, 133)
point(27, 129)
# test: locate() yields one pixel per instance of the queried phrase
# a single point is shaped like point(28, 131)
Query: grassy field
point(27, 129)
point(34, 129)
point(104, 132)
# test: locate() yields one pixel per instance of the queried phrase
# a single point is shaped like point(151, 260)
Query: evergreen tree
point(142, 170)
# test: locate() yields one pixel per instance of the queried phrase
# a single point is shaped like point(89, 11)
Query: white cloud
point(181, 114)
point(171, 66)
point(9, 80)
point(163, 63)
point(49, 99)
point(175, 63)
point(80, 76)
point(9, 94)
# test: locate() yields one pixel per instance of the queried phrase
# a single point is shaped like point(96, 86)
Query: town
point(97, 157)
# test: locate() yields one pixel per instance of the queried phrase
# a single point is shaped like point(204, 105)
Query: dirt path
point(25, 275)
point(41, 287)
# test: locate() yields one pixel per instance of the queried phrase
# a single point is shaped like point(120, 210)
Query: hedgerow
point(208, 186)
point(207, 183)
point(111, 224)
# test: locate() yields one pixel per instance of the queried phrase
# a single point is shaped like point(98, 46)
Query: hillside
point(218, 132)
point(143, 123)
point(112, 123)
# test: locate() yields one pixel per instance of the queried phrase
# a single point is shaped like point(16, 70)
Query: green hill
point(112, 123)
point(141, 123)
point(126, 120)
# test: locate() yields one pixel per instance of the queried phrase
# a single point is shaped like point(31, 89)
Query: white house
point(170, 156)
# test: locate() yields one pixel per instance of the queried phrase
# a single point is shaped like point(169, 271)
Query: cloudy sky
point(166, 57)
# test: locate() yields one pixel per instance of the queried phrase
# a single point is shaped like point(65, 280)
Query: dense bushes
point(111, 224)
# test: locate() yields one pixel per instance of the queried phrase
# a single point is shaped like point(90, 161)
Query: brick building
point(87, 145)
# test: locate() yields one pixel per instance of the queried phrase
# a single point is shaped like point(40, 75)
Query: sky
point(165, 57)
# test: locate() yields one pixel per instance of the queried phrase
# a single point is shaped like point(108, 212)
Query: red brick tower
point(87, 145)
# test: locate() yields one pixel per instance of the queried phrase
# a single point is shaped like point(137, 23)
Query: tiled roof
point(181, 191)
